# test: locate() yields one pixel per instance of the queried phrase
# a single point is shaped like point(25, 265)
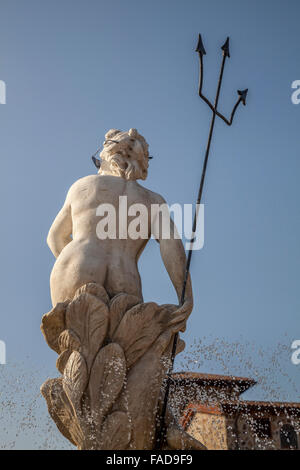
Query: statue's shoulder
point(153, 197)
point(82, 183)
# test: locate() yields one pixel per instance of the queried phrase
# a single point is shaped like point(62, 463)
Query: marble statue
point(113, 348)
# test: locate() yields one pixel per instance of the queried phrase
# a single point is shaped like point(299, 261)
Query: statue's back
point(101, 249)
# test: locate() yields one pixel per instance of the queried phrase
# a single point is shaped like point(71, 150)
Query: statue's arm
point(174, 259)
point(60, 231)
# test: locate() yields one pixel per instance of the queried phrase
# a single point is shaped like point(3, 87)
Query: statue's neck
point(102, 172)
point(105, 169)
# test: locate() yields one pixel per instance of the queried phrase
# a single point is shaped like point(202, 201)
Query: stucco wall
point(210, 430)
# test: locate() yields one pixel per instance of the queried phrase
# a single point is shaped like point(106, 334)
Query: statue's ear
point(97, 162)
point(111, 133)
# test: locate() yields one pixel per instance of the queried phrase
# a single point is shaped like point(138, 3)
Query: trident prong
point(242, 93)
point(242, 99)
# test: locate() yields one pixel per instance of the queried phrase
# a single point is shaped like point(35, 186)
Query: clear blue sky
point(75, 69)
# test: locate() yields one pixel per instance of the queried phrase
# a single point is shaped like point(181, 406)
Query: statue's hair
point(128, 168)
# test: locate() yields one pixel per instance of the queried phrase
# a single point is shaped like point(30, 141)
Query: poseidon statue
point(114, 349)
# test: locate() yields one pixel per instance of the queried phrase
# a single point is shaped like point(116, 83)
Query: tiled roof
point(243, 383)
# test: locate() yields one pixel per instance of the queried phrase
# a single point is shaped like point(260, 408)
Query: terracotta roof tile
point(243, 383)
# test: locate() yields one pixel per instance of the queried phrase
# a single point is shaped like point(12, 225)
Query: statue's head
point(125, 154)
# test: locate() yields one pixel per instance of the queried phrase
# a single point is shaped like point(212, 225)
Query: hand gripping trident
point(241, 99)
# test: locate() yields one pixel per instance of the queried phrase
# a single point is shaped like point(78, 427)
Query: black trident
point(241, 99)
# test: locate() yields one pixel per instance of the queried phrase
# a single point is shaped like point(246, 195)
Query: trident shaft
point(242, 94)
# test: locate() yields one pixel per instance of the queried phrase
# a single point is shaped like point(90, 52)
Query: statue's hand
point(180, 316)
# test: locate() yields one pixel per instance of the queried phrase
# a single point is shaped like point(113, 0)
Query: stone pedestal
point(113, 357)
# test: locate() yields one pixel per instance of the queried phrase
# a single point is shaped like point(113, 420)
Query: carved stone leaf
point(87, 315)
point(106, 379)
point(116, 432)
point(139, 328)
point(62, 360)
point(93, 289)
point(61, 411)
point(68, 340)
point(75, 379)
point(118, 306)
point(180, 346)
point(53, 324)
